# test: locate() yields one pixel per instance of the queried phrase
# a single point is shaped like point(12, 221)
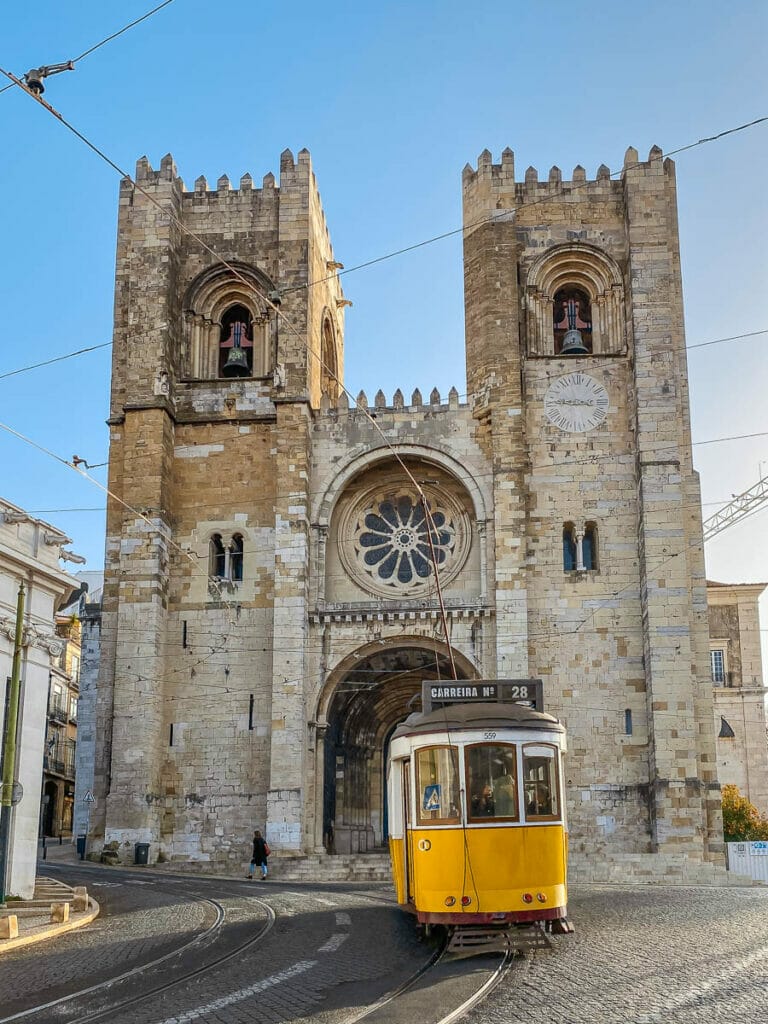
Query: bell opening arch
point(364, 698)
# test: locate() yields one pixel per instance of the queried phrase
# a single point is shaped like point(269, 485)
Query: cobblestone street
point(645, 955)
point(249, 954)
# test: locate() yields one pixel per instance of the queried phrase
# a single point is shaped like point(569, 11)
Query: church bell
point(237, 360)
point(573, 343)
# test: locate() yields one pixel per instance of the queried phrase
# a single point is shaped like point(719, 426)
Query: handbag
point(267, 850)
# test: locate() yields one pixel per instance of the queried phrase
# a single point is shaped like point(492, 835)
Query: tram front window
point(540, 793)
point(491, 777)
point(437, 779)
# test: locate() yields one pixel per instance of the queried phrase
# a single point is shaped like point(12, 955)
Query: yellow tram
point(478, 833)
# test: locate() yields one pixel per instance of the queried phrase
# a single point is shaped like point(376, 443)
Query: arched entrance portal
point(376, 692)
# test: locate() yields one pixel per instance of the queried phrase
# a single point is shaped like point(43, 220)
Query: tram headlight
point(527, 898)
point(541, 897)
point(450, 901)
point(466, 900)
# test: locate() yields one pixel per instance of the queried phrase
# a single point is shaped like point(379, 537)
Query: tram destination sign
point(529, 692)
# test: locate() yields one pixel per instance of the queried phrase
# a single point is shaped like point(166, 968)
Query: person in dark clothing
point(259, 855)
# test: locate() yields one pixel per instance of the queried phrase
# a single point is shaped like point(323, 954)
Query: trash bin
point(80, 843)
point(141, 853)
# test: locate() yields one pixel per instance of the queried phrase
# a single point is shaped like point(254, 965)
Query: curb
point(51, 931)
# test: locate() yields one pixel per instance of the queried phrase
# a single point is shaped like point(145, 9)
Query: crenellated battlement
point(501, 176)
point(362, 407)
point(296, 174)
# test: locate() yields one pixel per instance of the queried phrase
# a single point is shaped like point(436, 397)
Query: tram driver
point(505, 796)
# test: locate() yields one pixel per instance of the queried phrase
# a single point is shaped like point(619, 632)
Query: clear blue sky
point(392, 100)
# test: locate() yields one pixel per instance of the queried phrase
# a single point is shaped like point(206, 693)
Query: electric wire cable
point(269, 302)
point(109, 38)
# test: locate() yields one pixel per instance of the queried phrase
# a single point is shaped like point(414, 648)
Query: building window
point(218, 557)
point(569, 547)
point(579, 548)
point(589, 547)
point(236, 559)
point(226, 558)
point(236, 343)
point(718, 666)
point(572, 322)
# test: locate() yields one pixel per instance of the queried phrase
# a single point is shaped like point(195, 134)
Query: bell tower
point(576, 370)
point(228, 316)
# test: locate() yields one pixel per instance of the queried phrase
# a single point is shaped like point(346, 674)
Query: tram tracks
point(201, 940)
point(460, 987)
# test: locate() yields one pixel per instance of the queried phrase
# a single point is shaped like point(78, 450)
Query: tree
point(742, 822)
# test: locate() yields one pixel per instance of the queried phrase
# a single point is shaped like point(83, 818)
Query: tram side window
point(492, 781)
point(437, 780)
point(540, 793)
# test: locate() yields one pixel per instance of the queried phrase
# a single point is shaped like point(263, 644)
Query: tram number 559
point(489, 735)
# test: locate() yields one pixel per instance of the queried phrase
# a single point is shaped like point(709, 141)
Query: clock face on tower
point(576, 402)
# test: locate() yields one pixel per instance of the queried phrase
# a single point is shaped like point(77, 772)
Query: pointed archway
point(368, 695)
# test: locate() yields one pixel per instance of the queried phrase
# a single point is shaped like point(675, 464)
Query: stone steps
point(366, 867)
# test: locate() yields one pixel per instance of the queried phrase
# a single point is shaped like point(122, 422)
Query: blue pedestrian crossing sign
point(432, 797)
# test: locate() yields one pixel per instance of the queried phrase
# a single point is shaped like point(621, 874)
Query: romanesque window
point(236, 559)
point(395, 543)
point(575, 303)
point(329, 383)
point(218, 557)
point(580, 547)
point(229, 329)
point(589, 547)
point(236, 343)
point(572, 322)
point(226, 558)
point(569, 547)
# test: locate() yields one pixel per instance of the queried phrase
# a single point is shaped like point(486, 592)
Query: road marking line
point(243, 993)
point(342, 918)
point(333, 943)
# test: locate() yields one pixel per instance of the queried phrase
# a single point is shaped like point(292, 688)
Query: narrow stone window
point(589, 547)
point(572, 322)
point(569, 547)
point(236, 559)
point(236, 343)
point(218, 557)
point(628, 721)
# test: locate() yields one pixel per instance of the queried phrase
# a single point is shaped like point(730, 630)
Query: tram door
point(407, 826)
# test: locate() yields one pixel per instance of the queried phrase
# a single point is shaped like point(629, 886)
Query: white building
point(30, 550)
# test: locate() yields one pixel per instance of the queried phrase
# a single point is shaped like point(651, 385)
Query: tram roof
point(478, 716)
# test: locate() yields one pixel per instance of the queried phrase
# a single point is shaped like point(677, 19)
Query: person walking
point(259, 855)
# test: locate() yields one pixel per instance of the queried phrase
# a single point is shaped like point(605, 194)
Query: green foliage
point(742, 822)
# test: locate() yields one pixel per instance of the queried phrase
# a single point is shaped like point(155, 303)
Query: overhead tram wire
point(106, 490)
point(108, 39)
point(108, 344)
point(574, 187)
point(267, 300)
point(252, 289)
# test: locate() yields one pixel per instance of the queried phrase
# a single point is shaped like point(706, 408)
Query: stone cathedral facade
point(270, 607)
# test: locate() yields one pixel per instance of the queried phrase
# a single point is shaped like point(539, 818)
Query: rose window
point(396, 544)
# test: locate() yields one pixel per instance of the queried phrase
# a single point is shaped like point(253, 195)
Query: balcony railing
point(58, 712)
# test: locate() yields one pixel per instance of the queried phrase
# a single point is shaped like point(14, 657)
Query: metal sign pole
point(9, 747)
